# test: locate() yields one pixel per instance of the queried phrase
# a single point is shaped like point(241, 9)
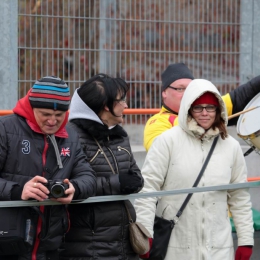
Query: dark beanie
point(174, 72)
point(50, 92)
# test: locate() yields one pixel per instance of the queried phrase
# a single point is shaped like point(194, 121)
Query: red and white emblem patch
point(65, 152)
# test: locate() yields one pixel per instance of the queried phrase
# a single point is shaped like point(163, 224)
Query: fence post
point(8, 53)
point(107, 30)
point(249, 39)
point(256, 38)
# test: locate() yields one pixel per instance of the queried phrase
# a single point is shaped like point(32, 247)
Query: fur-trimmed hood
point(195, 89)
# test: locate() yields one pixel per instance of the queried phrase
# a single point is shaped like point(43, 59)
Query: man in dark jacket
point(36, 151)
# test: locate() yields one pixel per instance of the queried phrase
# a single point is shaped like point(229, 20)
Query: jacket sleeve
point(111, 186)
point(134, 168)
point(154, 172)
point(108, 185)
point(5, 186)
point(239, 201)
point(6, 189)
point(156, 125)
point(242, 95)
point(83, 176)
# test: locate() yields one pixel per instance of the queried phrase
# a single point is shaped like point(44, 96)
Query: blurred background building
point(136, 40)
point(133, 39)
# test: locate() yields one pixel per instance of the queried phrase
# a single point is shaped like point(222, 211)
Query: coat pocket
point(55, 226)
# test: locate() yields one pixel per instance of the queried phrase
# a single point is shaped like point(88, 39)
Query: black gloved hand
point(130, 182)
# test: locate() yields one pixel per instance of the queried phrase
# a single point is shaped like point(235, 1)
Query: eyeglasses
point(121, 101)
point(199, 109)
point(180, 90)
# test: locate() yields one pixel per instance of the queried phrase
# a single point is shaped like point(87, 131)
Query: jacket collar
point(199, 132)
point(97, 130)
point(168, 110)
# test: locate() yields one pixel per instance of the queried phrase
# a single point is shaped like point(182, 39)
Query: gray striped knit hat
point(50, 92)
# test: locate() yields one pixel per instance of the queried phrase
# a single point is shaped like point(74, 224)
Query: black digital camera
point(56, 188)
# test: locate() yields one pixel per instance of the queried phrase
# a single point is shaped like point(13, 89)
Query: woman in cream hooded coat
point(174, 162)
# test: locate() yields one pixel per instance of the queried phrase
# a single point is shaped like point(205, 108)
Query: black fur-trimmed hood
point(97, 130)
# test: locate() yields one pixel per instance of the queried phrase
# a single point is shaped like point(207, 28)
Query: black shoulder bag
point(18, 229)
point(163, 227)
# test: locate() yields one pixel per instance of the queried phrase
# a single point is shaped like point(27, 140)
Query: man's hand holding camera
point(69, 192)
point(34, 189)
point(41, 189)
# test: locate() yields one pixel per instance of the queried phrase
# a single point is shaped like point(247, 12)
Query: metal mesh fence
point(133, 39)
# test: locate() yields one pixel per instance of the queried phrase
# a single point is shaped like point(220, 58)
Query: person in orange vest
point(175, 80)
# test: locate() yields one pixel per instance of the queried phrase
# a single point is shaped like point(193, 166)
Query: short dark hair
point(102, 90)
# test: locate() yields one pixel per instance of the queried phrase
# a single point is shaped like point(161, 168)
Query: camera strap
point(57, 153)
point(43, 220)
point(184, 204)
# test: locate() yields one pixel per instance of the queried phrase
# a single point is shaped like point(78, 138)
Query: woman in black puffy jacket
point(100, 230)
